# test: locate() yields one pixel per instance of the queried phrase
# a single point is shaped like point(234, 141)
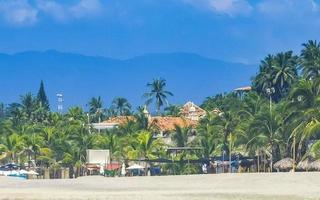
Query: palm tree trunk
point(230, 153)
point(258, 161)
point(158, 111)
point(35, 159)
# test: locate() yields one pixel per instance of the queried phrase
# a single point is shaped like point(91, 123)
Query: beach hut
point(285, 164)
point(305, 164)
point(315, 165)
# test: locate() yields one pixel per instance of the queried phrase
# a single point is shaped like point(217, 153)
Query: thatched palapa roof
point(284, 164)
point(315, 165)
point(305, 164)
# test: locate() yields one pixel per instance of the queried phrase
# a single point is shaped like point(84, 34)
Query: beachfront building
point(162, 126)
point(242, 90)
point(192, 111)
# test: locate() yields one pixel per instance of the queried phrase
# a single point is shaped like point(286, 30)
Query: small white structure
point(103, 125)
point(135, 166)
point(98, 156)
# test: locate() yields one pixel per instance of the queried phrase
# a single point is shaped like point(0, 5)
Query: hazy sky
point(233, 30)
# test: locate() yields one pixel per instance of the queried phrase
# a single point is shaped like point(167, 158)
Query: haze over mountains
point(78, 77)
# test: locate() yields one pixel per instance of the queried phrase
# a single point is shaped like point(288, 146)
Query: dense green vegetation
point(279, 118)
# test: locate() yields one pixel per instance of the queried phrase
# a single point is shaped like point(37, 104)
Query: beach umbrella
point(135, 166)
point(315, 165)
point(284, 164)
point(305, 164)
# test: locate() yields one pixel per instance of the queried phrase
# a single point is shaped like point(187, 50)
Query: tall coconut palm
point(96, 108)
point(285, 71)
point(279, 72)
point(121, 106)
point(269, 124)
point(310, 59)
point(304, 106)
point(263, 80)
point(157, 93)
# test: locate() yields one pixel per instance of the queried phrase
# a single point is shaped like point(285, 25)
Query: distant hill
point(79, 77)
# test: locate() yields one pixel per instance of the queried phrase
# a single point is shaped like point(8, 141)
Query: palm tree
point(145, 147)
point(279, 72)
point(173, 110)
point(96, 108)
point(112, 142)
point(33, 144)
point(158, 93)
point(11, 146)
point(310, 59)
point(121, 106)
point(75, 113)
point(285, 71)
point(180, 136)
point(28, 103)
point(305, 94)
point(263, 80)
point(304, 106)
point(315, 150)
point(270, 125)
point(208, 137)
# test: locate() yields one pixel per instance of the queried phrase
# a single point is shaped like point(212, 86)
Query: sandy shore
point(218, 187)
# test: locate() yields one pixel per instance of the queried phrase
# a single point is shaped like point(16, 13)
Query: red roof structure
point(113, 166)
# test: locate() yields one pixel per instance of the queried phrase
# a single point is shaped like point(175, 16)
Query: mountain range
point(79, 77)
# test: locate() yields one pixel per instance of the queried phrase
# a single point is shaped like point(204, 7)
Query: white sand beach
point(218, 187)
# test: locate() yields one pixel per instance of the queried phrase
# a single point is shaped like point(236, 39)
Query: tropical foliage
point(282, 124)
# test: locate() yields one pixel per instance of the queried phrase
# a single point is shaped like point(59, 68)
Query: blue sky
point(232, 30)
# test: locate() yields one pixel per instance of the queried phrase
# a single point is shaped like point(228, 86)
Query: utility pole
point(270, 91)
point(230, 153)
point(60, 102)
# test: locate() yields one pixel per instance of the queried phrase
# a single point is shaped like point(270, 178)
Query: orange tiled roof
point(169, 123)
point(120, 120)
point(160, 123)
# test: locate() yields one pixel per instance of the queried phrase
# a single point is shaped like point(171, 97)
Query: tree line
point(278, 118)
